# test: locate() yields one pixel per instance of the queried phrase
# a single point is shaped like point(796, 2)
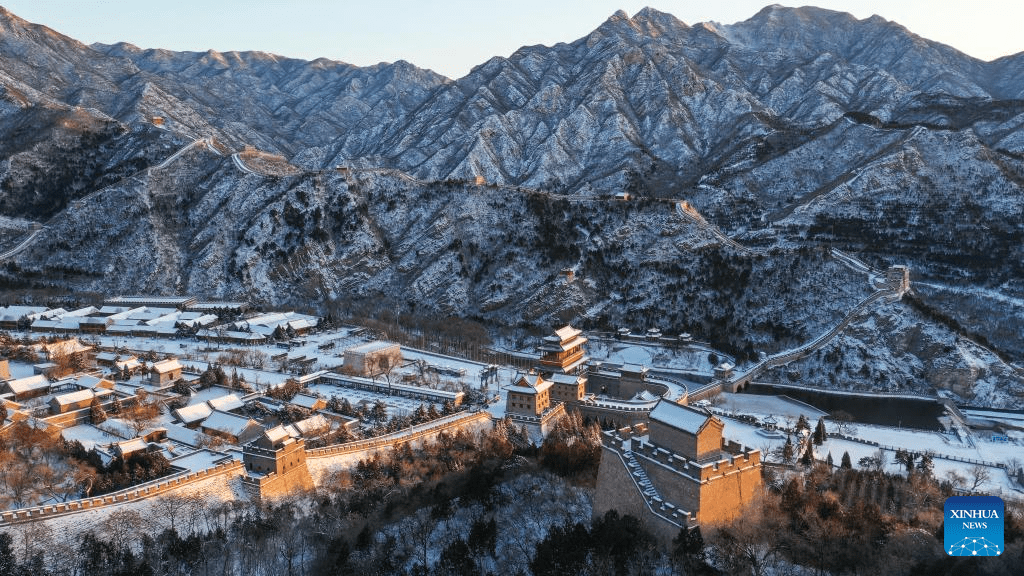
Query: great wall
point(231, 474)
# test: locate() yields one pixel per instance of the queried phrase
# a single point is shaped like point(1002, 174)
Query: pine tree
point(828, 460)
point(819, 432)
point(845, 462)
point(802, 424)
point(925, 465)
point(808, 458)
point(96, 413)
point(787, 451)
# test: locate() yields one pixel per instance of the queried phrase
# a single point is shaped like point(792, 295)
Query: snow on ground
point(763, 406)
point(200, 460)
point(943, 446)
point(89, 435)
point(258, 378)
point(691, 357)
point(397, 405)
point(209, 394)
point(20, 369)
point(210, 491)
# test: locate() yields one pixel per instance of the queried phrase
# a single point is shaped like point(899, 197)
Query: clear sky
point(452, 36)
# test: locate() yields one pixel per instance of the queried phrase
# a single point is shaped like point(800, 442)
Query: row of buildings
point(154, 316)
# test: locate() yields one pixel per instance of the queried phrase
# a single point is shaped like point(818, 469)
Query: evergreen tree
point(8, 563)
point(787, 451)
point(819, 432)
point(906, 458)
point(828, 460)
point(802, 424)
point(925, 465)
point(808, 458)
point(380, 412)
point(846, 463)
point(688, 549)
point(96, 413)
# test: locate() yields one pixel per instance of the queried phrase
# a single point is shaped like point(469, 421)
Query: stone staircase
point(652, 497)
point(640, 477)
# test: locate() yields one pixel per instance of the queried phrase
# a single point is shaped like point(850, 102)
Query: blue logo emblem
point(973, 526)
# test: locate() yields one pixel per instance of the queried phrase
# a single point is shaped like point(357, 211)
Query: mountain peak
point(650, 18)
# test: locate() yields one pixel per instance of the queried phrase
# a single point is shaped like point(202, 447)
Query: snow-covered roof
point(564, 339)
point(66, 347)
point(644, 396)
point(226, 403)
point(633, 368)
point(22, 385)
point(19, 312)
point(305, 401)
point(232, 334)
point(165, 366)
point(559, 378)
point(90, 381)
point(184, 435)
point(81, 312)
point(524, 386)
point(567, 333)
point(313, 424)
point(41, 324)
point(680, 417)
point(130, 362)
point(216, 305)
point(302, 323)
point(79, 396)
point(228, 423)
point(161, 300)
point(200, 320)
point(164, 318)
point(276, 434)
point(130, 446)
point(370, 347)
point(193, 413)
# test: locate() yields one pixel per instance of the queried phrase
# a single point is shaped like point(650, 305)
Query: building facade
point(678, 470)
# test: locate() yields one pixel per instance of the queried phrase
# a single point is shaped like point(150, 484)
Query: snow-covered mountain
point(795, 131)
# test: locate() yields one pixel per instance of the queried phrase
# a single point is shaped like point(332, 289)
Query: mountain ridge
point(867, 139)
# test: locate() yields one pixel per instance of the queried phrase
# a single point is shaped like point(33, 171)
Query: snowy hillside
point(794, 132)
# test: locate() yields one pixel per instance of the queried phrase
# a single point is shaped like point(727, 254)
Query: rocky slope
point(795, 131)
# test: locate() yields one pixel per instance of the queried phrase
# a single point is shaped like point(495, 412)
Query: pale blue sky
point(451, 36)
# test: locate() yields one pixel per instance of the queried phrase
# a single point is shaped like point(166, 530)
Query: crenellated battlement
point(741, 458)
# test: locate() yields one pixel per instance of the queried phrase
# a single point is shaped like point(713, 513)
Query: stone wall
point(616, 490)
point(219, 484)
point(273, 486)
point(322, 462)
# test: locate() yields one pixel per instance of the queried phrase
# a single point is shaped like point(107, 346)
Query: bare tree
point(122, 526)
point(957, 480)
point(169, 507)
point(143, 415)
point(979, 475)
